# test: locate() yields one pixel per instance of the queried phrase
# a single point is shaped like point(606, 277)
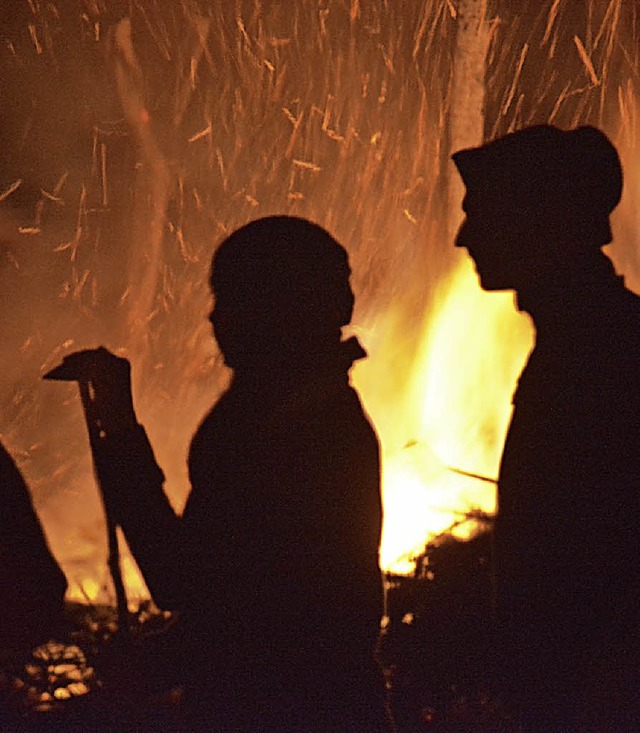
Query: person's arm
point(131, 480)
point(132, 483)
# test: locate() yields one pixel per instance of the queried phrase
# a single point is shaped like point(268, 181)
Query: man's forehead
point(487, 203)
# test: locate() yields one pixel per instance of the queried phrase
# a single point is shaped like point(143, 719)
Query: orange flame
point(458, 400)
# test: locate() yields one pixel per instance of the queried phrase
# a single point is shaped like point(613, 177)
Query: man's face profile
point(533, 197)
point(497, 246)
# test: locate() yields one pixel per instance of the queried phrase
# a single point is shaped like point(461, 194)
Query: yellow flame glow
point(458, 402)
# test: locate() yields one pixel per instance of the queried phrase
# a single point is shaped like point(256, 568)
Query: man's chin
point(493, 284)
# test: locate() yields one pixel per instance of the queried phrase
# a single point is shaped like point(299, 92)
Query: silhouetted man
point(537, 211)
point(32, 585)
point(274, 562)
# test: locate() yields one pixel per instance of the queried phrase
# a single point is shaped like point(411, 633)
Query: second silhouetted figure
point(537, 211)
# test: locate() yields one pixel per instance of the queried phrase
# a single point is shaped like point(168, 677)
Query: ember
point(136, 135)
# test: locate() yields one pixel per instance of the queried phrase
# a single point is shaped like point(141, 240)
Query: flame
point(457, 399)
point(88, 589)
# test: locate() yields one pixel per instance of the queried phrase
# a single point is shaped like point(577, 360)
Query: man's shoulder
point(633, 299)
point(9, 471)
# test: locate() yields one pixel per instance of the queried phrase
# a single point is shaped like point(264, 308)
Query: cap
point(548, 177)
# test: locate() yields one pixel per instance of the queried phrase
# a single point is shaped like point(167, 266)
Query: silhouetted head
point(535, 199)
point(281, 290)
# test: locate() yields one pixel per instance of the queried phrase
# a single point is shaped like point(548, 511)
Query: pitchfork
point(83, 367)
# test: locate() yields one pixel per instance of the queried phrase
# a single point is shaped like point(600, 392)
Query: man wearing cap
point(537, 209)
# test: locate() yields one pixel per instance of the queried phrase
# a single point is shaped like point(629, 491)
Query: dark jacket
point(567, 538)
point(274, 563)
point(32, 585)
